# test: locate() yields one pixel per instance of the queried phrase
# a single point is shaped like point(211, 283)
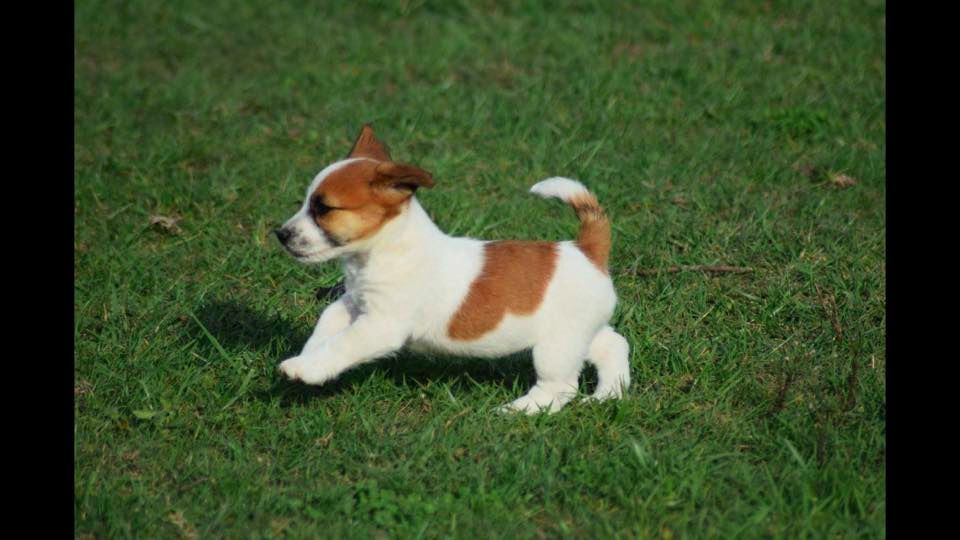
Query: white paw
point(307, 370)
point(548, 397)
point(603, 394)
point(291, 368)
point(531, 406)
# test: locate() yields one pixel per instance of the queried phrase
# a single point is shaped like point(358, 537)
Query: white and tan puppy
point(410, 285)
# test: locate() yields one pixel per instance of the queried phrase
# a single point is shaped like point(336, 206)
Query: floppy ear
point(399, 176)
point(367, 145)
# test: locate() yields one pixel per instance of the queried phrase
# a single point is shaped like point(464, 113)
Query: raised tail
point(594, 237)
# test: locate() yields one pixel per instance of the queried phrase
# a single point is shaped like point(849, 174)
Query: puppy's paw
point(529, 406)
point(307, 370)
point(291, 368)
point(604, 394)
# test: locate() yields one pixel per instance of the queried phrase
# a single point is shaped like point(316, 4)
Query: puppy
point(410, 285)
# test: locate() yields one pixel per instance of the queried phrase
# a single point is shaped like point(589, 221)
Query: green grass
point(709, 131)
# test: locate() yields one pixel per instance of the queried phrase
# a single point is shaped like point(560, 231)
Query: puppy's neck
point(399, 244)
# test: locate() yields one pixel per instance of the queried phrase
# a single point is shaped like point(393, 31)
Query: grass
point(710, 131)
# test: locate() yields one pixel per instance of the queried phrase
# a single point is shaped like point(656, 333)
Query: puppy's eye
point(318, 208)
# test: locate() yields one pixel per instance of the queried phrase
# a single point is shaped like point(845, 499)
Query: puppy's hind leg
point(610, 353)
point(558, 364)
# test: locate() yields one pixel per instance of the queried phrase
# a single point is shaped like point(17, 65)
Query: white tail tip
point(558, 187)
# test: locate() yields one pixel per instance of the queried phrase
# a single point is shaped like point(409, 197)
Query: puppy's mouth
point(305, 251)
point(307, 256)
point(302, 254)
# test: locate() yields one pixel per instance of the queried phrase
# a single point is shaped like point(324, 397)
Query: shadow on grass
point(239, 328)
point(412, 371)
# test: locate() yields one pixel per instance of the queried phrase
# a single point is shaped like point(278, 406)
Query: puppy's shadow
point(411, 372)
point(237, 328)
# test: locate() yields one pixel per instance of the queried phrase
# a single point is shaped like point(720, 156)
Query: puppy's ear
point(401, 178)
point(367, 145)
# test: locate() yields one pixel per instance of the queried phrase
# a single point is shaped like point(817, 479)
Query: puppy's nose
point(283, 235)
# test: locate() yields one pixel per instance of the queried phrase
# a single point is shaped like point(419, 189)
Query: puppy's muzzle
point(283, 235)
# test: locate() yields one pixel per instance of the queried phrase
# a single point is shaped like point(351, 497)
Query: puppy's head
point(351, 201)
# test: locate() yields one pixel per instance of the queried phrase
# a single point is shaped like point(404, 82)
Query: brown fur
point(365, 195)
point(513, 280)
point(358, 210)
point(367, 145)
point(594, 237)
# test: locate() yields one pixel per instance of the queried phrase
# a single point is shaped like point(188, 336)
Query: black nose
point(283, 235)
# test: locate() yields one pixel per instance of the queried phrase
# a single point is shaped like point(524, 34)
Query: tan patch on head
point(357, 209)
point(358, 199)
point(362, 196)
point(513, 280)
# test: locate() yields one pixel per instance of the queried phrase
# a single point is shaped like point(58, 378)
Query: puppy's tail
point(594, 237)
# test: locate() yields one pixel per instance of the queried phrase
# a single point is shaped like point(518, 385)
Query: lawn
point(748, 134)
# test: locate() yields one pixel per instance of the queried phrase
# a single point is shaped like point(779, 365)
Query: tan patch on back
point(513, 280)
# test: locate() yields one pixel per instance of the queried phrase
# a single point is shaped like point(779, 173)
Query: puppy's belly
point(513, 334)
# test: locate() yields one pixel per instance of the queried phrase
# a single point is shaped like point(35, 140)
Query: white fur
point(559, 188)
point(404, 284)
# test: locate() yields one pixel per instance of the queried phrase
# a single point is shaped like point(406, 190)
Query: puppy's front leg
point(334, 318)
point(368, 338)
